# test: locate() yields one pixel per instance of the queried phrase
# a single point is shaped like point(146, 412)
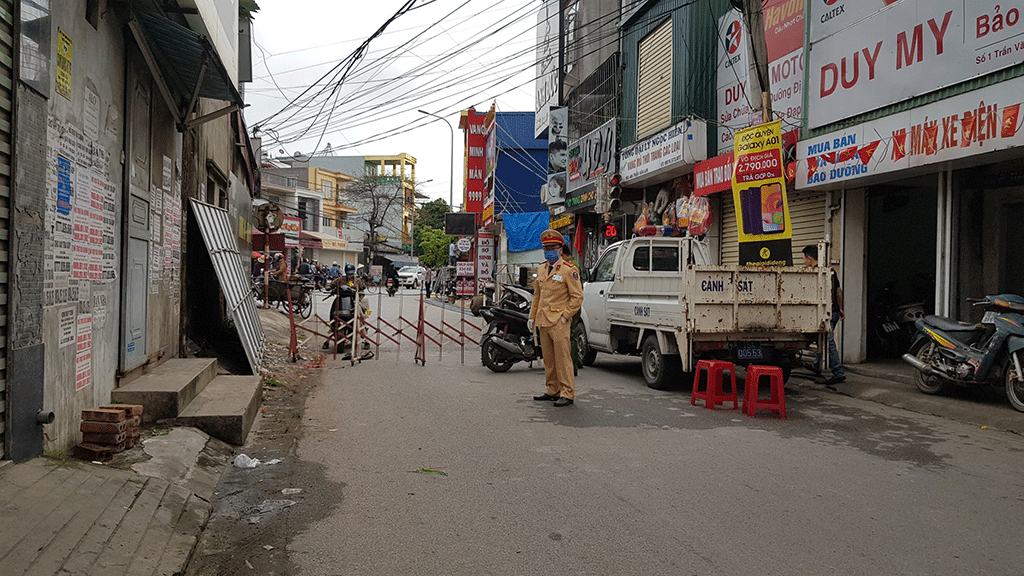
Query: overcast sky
point(296, 42)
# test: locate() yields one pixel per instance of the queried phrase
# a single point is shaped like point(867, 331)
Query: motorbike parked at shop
point(990, 353)
point(507, 339)
point(894, 324)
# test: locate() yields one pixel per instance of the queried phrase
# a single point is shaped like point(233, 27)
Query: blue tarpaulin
point(523, 229)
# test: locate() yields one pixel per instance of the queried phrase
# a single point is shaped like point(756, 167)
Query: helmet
point(349, 269)
point(335, 264)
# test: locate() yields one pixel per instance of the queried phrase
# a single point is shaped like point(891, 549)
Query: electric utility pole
point(753, 16)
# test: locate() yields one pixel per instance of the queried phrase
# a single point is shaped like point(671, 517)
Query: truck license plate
point(748, 351)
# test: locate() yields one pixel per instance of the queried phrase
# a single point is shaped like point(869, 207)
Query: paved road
point(631, 480)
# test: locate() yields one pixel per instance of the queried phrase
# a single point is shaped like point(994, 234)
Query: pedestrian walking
point(834, 360)
point(558, 297)
point(453, 254)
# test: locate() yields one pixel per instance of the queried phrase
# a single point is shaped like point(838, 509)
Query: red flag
point(930, 139)
point(966, 130)
point(1010, 114)
point(866, 152)
point(847, 154)
point(812, 166)
point(829, 157)
point(577, 241)
point(899, 146)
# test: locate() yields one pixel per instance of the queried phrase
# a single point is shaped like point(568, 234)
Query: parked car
point(411, 276)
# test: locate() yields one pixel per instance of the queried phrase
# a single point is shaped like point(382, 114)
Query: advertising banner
point(738, 102)
point(589, 158)
point(713, 175)
point(909, 48)
point(476, 165)
point(291, 228)
point(558, 155)
point(759, 193)
point(664, 155)
point(984, 120)
point(490, 165)
point(547, 65)
point(484, 255)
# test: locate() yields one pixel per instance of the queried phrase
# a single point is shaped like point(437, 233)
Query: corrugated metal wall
point(654, 81)
point(806, 213)
point(6, 139)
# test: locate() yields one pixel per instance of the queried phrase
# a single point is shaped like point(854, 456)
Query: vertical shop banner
point(759, 193)
point(484, 255)
point(490, 165)
point(473, 179)
point(558, 155)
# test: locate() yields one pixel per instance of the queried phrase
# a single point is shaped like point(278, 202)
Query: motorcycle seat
point(951, 325)
point(515, 313)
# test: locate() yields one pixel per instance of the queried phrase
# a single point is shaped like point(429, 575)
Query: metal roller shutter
point(654, 82)
point(806, 214)
point(6, 143)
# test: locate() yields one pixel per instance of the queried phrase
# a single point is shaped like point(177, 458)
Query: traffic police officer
point(558, 295)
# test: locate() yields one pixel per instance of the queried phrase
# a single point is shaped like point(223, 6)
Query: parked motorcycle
point(343, 312)
point(392, 286)
point(893, 324)
point(507, 339)
point(946, 352)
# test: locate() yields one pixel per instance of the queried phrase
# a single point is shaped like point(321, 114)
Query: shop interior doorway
point(900, 263)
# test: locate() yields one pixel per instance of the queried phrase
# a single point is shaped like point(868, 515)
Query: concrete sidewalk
point(891, 382)
point(139, 514)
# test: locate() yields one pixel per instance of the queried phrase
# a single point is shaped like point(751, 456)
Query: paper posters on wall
point(83, 355)
point(81, 247)
point(65, 53)
point(91, 115)
point(67, 326)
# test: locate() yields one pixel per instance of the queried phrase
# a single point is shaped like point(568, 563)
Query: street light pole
point(451, 167)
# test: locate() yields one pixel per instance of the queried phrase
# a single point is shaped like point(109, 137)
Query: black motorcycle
point(343, 313)
point(989, 353)
point(507, 339)
point(392, 286)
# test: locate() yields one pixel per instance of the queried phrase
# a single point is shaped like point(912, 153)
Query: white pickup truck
point(659, 298)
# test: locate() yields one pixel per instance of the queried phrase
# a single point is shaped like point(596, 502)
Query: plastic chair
point(713, 393)
point(777, 401)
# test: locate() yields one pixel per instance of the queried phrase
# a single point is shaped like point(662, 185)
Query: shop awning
point(320, 240)
point(185, 65)
point(399, 260)
point(233, 276)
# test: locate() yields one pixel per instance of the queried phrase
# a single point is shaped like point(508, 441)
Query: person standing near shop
point(558, 295)
point(834, 361)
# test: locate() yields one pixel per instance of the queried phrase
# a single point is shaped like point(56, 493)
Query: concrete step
point(168, 388)
point(226, 409)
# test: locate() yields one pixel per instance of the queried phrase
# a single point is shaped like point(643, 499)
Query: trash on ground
point(243, 461)
point(288, 491)
point(429, 471)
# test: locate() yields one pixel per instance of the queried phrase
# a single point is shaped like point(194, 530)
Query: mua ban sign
point(759, 193)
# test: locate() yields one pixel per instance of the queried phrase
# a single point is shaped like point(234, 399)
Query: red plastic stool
point(777, 402)
point(712, 393)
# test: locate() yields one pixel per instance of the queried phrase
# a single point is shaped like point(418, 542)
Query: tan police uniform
point(558, 295)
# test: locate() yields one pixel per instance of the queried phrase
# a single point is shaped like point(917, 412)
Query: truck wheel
point(587, 354)
point(660, 372)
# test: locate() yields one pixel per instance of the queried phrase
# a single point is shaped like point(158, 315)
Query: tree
point(378, 200)
point(432, 246)
point(432, 214)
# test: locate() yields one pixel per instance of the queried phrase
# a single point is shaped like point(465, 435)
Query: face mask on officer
point(552, 254)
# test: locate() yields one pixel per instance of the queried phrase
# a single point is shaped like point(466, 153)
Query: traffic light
point(614, 193)
point(611, 231)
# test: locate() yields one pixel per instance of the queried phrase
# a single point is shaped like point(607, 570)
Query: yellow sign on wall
point(65, 52)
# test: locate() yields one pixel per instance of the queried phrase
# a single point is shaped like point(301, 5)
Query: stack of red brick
point(107, 430)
